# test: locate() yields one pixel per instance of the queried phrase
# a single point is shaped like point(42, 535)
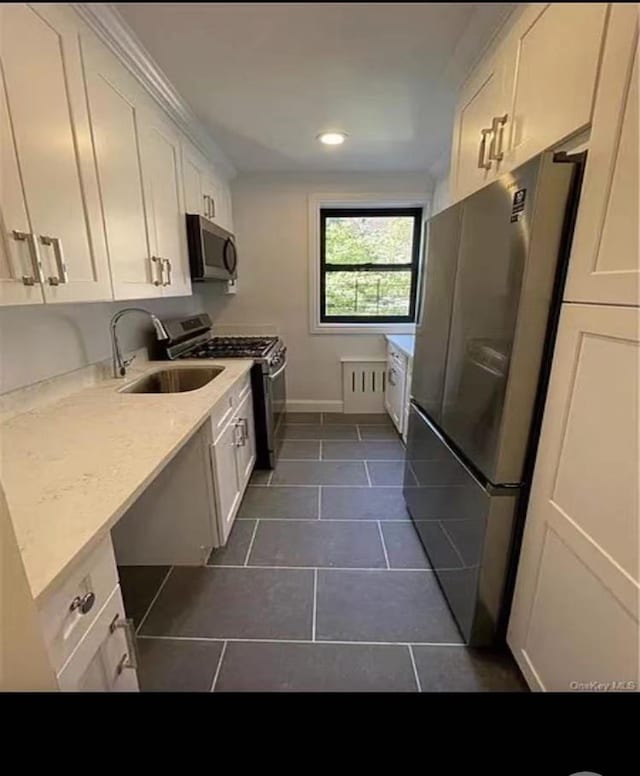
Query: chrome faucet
point(120, 364)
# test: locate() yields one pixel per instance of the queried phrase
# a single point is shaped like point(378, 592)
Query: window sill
point(363, 328)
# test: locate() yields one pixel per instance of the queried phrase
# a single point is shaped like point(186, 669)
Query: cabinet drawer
point(102, 661)
point(63, 622)
point(225, 408)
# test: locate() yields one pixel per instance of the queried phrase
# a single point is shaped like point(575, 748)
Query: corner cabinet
point(53, 247)
point(532, 91)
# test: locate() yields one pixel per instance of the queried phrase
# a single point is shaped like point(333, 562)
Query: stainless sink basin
point(174, 380)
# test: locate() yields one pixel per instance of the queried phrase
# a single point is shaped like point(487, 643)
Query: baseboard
point(313, 405)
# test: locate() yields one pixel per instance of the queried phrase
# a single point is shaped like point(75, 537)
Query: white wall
point(271, 223)
point(441, 196)
point(40, 341)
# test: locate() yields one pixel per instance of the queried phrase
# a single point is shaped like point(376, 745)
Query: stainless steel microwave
point(212, 250)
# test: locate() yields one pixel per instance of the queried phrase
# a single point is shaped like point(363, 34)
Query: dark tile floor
point(323, 584)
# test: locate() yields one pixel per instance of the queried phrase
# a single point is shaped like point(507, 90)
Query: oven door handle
point(279, 372)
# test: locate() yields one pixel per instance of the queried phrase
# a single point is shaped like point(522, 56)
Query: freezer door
point(436, 299)
point(465, 529)
point(509, 243)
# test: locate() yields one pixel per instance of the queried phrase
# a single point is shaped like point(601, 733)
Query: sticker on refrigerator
point(518, 204)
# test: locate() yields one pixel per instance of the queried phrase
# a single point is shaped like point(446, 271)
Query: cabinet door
point(394, 394)
point(226, 479)
point(160, 145)
point(604, 265)
point(575, 610)
point(193, 179)
point(20, 266)
point(246, 450)
point(484, 97)
point(556, 50)
point(103, 661)
point(48, 115)
point(114, 116)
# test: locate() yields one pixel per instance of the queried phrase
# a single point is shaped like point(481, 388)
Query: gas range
point(191, 338)
point(234, 347)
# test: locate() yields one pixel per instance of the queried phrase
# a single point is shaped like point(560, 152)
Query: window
point(369, 264)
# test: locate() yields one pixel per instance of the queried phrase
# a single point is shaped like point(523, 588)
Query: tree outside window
point(369, 264)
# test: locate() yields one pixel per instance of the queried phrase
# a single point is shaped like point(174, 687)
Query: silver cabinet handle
point(167, 263)
point(497, 128)
point(83, 603)
point(129, 660)
point(482, 164)
point(213, 207)
point(58, 253)
point(34, 255)
point(391, 373)
point(154, 262)
point(241, 440)
point(206, 205)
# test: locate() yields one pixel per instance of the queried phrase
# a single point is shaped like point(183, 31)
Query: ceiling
point(266, 78)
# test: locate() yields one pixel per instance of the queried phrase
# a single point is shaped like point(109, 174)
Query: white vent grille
point(363, 384)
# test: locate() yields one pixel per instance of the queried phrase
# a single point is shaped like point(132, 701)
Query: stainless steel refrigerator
point(494, 269)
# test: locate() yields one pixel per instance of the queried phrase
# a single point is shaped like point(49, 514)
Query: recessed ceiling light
point(332, 138)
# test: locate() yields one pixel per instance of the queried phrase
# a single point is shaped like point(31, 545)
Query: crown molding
point(112, 29)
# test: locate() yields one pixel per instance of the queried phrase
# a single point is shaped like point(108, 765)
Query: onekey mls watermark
point(612, 686)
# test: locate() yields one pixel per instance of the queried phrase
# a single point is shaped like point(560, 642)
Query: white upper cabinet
point(557, 49)
point(46, 140)
point(160, 146)
point(21, 275)
point(194, 166)
point(113, 100)
point(482, 104)
point(205, 192)
point(531, 92)
point(604, 266)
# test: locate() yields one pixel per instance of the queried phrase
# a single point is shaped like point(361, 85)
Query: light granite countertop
point(404, 342)
point(71, 469)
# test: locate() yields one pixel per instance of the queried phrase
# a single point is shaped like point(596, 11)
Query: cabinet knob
point(83, 603)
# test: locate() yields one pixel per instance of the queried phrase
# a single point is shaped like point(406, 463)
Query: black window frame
point(414, 265)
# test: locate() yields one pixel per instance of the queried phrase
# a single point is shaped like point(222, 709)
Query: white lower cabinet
point(574, 618)
point(89, 641)
point(232, 459)
point(105, 660)
point(395, 392)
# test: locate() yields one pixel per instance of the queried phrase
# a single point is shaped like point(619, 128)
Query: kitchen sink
point(174, 380)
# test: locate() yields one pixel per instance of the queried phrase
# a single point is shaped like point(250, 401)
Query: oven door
point(275, 391)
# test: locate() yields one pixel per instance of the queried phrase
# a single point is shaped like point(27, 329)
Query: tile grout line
point(332, 568)
point(315, 604)
point(250, 547)
point(154, 599)
point(358, 432)
point(329, 519)
point(384, 546)
point(320, 449)
point(366, 468)
point(319, 503)
point(219, 666)
point(270, 480)
point(415, 669)
point(234, 640)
